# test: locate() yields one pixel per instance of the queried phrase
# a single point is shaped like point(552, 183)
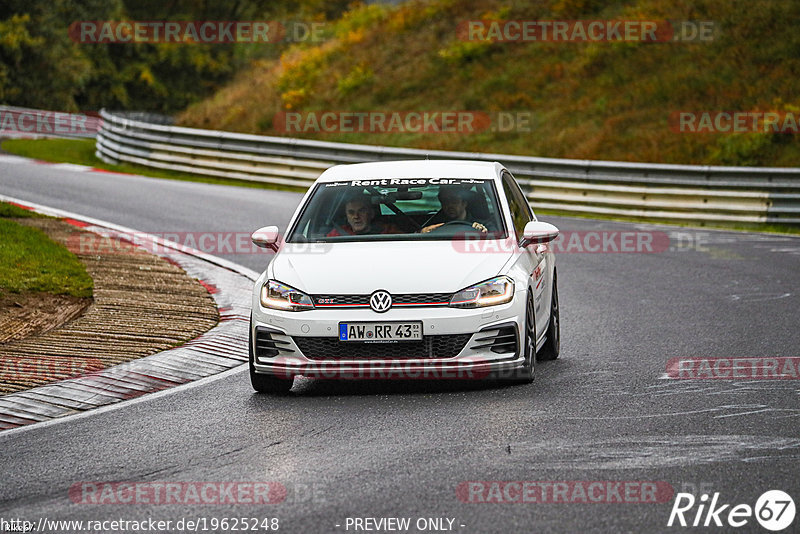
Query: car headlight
point(282, 297)
point(492, 292)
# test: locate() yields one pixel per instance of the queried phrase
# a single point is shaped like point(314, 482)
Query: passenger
point(454, 201)
point(360, 214)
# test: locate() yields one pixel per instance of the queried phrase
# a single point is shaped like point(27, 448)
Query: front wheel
point(265, 383)
point(526, 373)
point(552, 345)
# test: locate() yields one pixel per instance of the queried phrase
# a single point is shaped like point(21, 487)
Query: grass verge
point(10, 210)
point(31, 261)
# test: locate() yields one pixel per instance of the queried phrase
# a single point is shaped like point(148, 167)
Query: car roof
point(413, 169)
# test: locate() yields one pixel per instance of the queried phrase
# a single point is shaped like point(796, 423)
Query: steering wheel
point(455, 223)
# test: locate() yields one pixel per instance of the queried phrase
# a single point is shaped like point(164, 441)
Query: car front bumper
point(487, 348)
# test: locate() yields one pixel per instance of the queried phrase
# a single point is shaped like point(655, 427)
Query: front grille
point(340, 300)
point(498, 340)
point(423, 299)
point(406, 300)
point(330, 348)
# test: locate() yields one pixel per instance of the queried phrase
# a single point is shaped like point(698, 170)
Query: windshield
point(390, 209)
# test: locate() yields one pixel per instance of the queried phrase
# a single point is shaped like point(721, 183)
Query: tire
point(552, 346)
point(526, 373)
point(265, 383)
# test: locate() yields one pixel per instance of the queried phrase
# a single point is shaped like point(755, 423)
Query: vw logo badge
point(380, 301)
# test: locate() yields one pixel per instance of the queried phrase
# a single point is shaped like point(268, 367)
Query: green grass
point(81, 152)
point(10, 210)
point(31, 261)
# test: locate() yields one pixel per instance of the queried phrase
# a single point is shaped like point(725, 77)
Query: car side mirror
point(538, 232)
point(266, 237)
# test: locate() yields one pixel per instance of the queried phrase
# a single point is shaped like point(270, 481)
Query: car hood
point(397, 266)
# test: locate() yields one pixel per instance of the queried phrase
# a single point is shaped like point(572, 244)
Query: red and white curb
point(222, 348)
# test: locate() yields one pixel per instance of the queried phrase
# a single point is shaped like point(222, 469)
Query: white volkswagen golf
point(407, 269)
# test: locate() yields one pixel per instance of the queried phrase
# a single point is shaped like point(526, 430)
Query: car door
point(532, 260)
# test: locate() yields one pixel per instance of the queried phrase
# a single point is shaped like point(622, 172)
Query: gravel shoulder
point(143, 304)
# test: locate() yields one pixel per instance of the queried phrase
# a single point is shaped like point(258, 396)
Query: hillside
point(595, 100)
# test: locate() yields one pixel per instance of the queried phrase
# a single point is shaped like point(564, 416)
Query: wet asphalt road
point(602, 412)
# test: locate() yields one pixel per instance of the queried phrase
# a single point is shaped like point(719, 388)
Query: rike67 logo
point(774, 510)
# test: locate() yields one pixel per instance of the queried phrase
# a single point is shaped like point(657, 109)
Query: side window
point(520, 210)
point(487, 194)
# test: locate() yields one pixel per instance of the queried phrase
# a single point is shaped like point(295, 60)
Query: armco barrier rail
point(657, 191)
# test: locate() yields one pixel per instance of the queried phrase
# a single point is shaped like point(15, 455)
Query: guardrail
point(36, 123)
point(655, 191)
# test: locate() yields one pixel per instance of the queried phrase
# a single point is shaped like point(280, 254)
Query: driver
point(454, 199)
point(360, 213)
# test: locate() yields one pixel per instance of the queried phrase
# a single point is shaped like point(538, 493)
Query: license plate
point(380, 332)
